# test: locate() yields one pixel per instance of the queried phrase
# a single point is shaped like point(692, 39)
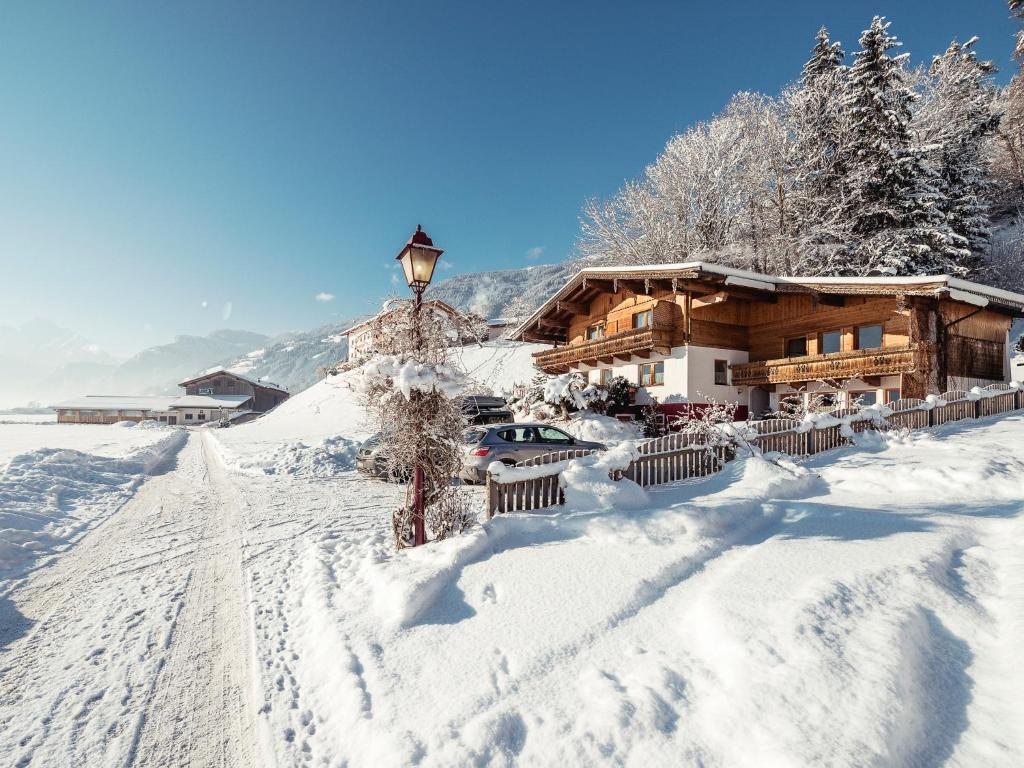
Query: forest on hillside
point(864, 166)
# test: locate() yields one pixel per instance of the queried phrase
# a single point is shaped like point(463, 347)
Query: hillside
point(491, 293)
point(292, 359)
point(158, 370)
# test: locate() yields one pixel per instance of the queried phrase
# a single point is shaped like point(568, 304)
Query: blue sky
point(154, 157)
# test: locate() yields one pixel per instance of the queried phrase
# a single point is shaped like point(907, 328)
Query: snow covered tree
point(565, 392)
point(821, 131)
point(894, 204)
point(1009, 146)
point(955, 119)
point(413, 395)
point(1017, 10)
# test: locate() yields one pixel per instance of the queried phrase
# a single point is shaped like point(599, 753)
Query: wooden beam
point(572, 306)
point(552, 324)
point(710, 300)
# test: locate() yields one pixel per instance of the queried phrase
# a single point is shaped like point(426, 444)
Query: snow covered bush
point(620, 395)
point(565, 392)
point(414, 397)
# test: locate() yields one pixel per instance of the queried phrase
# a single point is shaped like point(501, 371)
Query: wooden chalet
point(688, 333)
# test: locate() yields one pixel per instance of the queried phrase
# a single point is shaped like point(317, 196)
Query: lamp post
point(418, 259)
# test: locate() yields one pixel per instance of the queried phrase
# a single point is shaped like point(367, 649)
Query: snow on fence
point(536, 482)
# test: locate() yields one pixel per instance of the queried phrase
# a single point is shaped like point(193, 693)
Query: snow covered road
point(134, 646)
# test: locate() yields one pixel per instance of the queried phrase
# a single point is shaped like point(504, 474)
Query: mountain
point(292, 359)
point(158, 370)
point(492, 294)
point(41, 361)
point(53, 363)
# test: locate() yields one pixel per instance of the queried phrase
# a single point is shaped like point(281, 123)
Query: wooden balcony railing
point(642, 342)
point(837, 365)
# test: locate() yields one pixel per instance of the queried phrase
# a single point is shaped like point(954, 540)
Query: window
point(595, 331)
point(830, 341)
point(721, 371)
point(604, 377)
point(206, 390)
point(643, 319)
point(163, 418)
point(519, 435)
point(202, 415)
point(892, 395)
point(796, 347)
point(868, 397)
point(652, 374)
point(552, 435)
point(868, 337)
point(188, 417)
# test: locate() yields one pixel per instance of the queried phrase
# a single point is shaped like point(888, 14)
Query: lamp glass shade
point(418, 263)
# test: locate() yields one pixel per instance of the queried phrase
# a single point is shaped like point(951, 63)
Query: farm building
point(215, 395)
point(691, 333)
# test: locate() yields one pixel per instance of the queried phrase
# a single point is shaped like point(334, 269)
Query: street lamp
point(418, 259)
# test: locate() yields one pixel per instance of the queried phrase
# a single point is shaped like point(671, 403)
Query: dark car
point(485, 409)
point(512, 443)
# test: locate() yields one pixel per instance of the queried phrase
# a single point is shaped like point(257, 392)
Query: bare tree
point(413, 395)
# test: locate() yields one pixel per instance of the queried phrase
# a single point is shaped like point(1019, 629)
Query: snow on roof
point(119, 402)
point(435, 303)
point(959, 289)
point(152, 403)
point(210, 401)
point(221, 369)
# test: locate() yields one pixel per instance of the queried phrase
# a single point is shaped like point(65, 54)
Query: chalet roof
point(434, 303)
point(220, 370)
point(577, 289)
point(210, 401)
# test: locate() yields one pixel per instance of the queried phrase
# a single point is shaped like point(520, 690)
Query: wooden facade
point(924, 331)
point(221, 382)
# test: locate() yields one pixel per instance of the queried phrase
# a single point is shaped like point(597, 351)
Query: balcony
point(837, 365)
point(641, 342)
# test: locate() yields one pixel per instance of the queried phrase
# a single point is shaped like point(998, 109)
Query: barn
point(214, 395)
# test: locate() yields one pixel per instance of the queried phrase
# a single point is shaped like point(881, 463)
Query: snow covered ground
point(862, 608)
point(57, 481)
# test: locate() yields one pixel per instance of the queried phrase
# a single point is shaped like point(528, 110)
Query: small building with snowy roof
point(214, 395)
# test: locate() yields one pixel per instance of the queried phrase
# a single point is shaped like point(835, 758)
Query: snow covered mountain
point(55, 363)
point(491, 293)
point(158, 370)
point(40, 359)
point(292, 359)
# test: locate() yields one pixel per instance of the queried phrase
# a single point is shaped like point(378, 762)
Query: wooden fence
point(674, 457)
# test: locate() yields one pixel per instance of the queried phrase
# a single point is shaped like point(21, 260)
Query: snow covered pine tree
point(895, 204)
point(954, 122)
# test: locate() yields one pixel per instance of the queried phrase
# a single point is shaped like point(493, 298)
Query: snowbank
point(316, 432)
point(587, 425)
point(498, 365)
point(49, 497)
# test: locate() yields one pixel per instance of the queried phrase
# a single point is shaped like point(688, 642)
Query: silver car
point(512, 443)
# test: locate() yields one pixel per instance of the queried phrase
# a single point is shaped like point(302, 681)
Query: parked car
point(512, 443)
point(481, 409)
point(369, 459)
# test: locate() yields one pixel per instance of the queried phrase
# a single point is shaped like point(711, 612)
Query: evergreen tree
point(894, 206)
point(819, 124)
point(957, 118)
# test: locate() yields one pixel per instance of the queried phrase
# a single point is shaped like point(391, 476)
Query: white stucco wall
point(689, 376)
